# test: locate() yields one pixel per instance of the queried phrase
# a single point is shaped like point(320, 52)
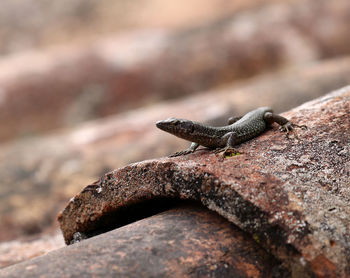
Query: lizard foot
point(227, 151)
point(290, 126)
point(304, 127)
point(181, 153)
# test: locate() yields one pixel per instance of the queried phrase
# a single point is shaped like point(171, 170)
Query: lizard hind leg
point(290, 127)
point(232, 120)
point(285, 124)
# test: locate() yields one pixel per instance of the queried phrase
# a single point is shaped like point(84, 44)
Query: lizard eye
point(172, 121)
point(175, 121)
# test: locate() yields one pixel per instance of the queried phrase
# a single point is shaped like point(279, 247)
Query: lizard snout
point(160, 125)
point(167, 124)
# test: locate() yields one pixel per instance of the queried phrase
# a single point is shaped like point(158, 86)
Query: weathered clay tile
point(188, 241)
point(289, 194)
point(42, 91)
point(51, 169)
point(15, 251)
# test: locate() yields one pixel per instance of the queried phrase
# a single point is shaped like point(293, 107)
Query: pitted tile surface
point(290, 194)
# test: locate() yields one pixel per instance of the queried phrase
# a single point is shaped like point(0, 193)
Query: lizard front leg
point(230, 139)
point(191, 149)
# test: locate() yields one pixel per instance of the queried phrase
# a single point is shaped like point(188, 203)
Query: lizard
point(224, 138)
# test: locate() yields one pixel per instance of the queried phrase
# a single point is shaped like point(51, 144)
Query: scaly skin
point(239, 130)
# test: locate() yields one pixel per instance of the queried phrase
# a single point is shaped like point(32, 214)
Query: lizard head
point(177, 127)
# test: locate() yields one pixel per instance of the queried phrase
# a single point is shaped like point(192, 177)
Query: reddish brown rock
point(188, 241)
point(39, 175)
point(289, 194)
point(19, 250)
point(41, 91)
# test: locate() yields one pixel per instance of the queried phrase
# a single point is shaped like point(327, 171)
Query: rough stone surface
point(53, 168)
point(188, 241)
point(41, 91)
point(290, 194)
point(16, 251)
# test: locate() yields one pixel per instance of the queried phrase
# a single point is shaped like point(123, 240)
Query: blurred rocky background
point(83, 82)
